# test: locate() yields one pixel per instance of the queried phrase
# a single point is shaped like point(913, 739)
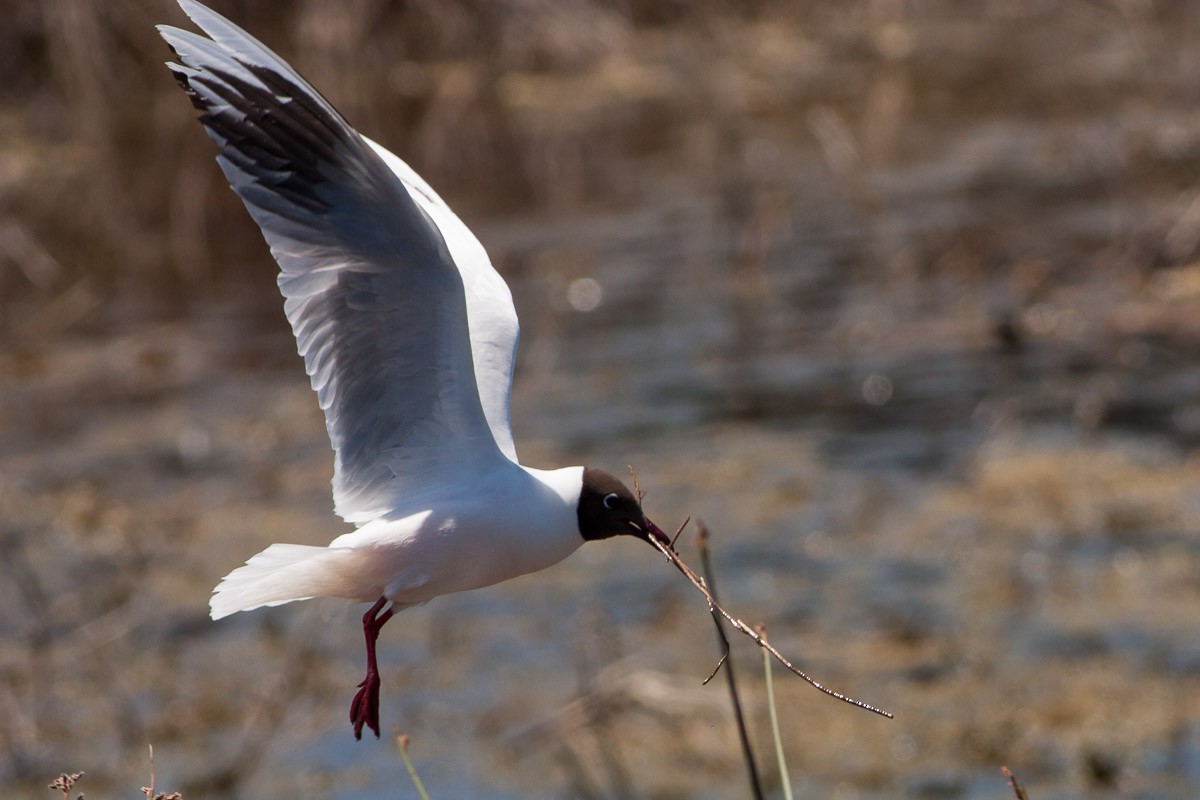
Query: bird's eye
point(610, 501)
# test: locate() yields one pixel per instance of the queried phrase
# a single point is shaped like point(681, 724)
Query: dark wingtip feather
point(183, 76)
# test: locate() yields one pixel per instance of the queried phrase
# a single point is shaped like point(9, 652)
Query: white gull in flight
point(408, 335)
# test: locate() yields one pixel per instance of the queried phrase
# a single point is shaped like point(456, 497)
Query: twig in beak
point(678, 531)
point(717, 668)
point(637, 488)
point(714, 606)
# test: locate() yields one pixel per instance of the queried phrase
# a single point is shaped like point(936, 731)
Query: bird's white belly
point(474, 542)
point(462, 553)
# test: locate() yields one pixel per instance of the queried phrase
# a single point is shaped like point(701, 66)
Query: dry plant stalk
point(149, 790)
point(402, 745)
point(715, 608)
point(1018, 789)
point(730, 678)
point(784, 778)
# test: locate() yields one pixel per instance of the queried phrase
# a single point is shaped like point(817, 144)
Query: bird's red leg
point(364, 708)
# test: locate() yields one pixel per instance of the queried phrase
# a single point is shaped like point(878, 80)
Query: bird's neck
point(549, 527)
point(565, 483)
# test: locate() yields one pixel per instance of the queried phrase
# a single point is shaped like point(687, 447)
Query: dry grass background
point(107, 194)
point(900, 296)
point(524, 105)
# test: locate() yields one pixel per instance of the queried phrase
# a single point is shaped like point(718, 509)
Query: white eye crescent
point(610, 500)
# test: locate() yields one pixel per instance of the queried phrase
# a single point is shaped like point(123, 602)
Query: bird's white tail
point(286, 572)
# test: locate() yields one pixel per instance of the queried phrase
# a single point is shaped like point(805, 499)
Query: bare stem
point(402, 746)
point(679, 530)
point(721, 663)
point(150, 791)
point(714, 606)
point(1018, 789)
point(730, 678)
point(637, 487)
point(784, 777)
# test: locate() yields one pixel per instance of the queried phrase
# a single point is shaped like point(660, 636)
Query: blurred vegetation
point(107, 193)
point(110, 203)
point(901, 295)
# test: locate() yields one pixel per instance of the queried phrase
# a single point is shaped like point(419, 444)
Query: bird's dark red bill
point(651, 530)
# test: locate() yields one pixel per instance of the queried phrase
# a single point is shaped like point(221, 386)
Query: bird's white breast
point(484, 530)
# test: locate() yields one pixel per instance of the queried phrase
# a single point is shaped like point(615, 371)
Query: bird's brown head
point(608, 508)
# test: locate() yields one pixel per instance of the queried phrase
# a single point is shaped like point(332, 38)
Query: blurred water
point(937, 401)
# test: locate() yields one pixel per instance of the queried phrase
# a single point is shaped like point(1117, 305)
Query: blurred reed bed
point(109, 199)
point(109, 203)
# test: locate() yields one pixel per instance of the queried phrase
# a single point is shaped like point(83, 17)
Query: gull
point(408, 336)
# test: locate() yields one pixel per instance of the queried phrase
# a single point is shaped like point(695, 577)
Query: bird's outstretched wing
point(377, 275)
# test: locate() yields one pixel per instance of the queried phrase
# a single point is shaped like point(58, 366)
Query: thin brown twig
point(150, 792)
point(637, 488)
point(698, 582)
point(721, 663)
point(679, 530)
point(1018, 789)
point(730, 678)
